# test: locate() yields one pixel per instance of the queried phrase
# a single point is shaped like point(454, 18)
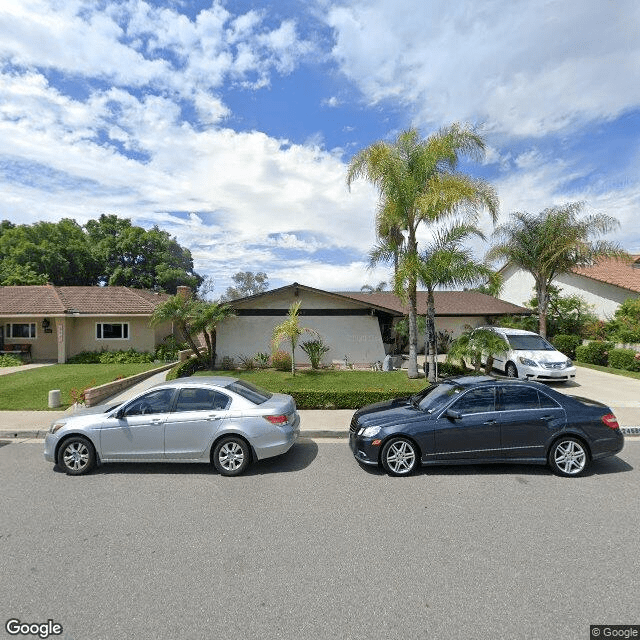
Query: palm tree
point(472, 345)
point(445, 262)
point(208, 315)
point(181, 311)
point(291, 330)
point(551, 243)
point(418, 182)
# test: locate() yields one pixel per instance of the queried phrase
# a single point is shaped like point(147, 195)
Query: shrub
point(595, 352)
point(281, 361)
point(7, 360)
point(627, 359)
point(186, 369)
point(228, 363)
point(567, 344)
point(246, 362)
point(262, 360)
point(109, 357)
point(168, 349)
point(315, 349)
point(625, 325)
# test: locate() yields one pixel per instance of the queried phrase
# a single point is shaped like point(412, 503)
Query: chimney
point(183, 291)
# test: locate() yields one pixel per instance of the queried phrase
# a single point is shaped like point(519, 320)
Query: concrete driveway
point(620, 393)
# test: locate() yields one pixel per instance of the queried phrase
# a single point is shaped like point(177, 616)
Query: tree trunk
point(412, 365)
point(430, 336)
point(543, 305)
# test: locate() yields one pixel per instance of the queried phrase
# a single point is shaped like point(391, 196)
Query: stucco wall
point(43, 347)
point(605, 298)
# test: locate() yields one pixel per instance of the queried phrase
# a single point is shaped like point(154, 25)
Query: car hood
point(86, 416)
point(388, 413)
point(542, 356)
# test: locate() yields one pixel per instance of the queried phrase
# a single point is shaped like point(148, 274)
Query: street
point(311, 545)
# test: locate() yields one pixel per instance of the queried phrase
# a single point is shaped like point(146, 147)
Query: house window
point(112, 330)
point(21, 330)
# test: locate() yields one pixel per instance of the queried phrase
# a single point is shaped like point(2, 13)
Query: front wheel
point(76, 456)
point(511, 370)
point(400, 457)
point(231, 456)
point(568, 457)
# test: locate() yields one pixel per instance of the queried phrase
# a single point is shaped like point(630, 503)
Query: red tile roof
point(621, 273)
point(50, 300)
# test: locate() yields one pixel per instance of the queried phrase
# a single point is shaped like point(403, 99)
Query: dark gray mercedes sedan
point(226, 421)
point(471, 420)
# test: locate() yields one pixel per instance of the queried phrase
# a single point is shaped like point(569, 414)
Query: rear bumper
point(284, 438)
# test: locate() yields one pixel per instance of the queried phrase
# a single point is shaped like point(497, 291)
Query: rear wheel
point(568, 457)
point(231, 456)
point(400, 457)
point(511, 370)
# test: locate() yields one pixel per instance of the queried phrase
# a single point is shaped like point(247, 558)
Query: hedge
point(186, 368)
point(567, 344)
point(626, 359)
point(596, 352)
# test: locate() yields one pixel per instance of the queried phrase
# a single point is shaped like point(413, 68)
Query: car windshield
point(435, 396)
point(250, 391)
point(527, 342)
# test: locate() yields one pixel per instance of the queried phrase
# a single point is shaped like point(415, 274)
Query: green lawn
point(331, 389)
point(29, 389)
point(617, 372)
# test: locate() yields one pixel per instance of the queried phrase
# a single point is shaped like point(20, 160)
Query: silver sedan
point(226, 421)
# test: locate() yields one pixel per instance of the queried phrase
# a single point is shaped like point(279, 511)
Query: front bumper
point(362, 449)
point(541, 374)
point(50, 443)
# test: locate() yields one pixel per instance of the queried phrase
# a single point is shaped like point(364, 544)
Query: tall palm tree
point(418, 182)
point(208, 315)
point(291, 330)
point(445, 262)
point(551, 243)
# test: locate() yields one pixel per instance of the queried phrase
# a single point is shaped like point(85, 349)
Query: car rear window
point(250, 391)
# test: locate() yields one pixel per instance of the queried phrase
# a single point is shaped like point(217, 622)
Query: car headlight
point(527, 362)
point(56, 426)
point(569, 363)
point(369, 432)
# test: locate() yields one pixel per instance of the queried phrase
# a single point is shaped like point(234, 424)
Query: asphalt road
point(311, 545)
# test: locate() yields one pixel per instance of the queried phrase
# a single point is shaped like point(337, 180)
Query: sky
point(231, 124)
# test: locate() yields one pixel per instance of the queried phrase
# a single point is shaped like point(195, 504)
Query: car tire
point(569, 457)
point(76, 456)
point(510, 370)
point(400, 457)
point(231, 456)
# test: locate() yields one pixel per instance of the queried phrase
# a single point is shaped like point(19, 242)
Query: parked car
point(528, 355)
point(471, 420)
point(226, 421)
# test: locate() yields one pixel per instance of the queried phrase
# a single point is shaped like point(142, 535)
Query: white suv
point(528, 355)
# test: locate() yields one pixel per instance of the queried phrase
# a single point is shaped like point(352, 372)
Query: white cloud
point(523, 68)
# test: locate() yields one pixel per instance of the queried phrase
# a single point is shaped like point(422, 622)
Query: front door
point(138, 434)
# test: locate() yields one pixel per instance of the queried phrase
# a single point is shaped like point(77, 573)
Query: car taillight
point(276, 419)
point(611, 421)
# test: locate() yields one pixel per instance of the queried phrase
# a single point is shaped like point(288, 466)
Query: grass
point(617, 372)
point(29, 390)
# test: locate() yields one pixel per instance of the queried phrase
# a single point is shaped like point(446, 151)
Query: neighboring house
point(59, 322)
point(356, 326)
point(605, 285)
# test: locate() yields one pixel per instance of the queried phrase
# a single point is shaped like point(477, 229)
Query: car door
point(198, 413)
point(474, 433)
point(137, 430)
point(528, 418)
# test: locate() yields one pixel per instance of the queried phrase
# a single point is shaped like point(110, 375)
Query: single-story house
point(55, 323)
point(357, 327)
point(604, 285)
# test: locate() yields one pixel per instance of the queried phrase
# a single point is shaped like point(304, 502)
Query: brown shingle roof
point(621, 273)
point(50, 300)
point(447, 303)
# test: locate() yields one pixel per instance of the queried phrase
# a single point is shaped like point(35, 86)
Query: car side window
point(158, 401)
point(517, 398)
point(476, 401)
point(201, 400)
point(546, 402)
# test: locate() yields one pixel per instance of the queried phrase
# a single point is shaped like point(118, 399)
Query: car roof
point(510, 331)
point(472, 381)
point(216, 381)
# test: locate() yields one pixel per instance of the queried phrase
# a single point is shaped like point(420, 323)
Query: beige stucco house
point(604, 286)
point(355, 326)
point(56, 323)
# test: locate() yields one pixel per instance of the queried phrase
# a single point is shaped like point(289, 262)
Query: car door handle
point(546, 418)
point(211, 418)
point(156, 421)
point(491, 422)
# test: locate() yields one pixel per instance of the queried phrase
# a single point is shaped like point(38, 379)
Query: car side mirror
point(453, 415)
point(119, 414)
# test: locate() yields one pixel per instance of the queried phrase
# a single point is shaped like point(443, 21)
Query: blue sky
point(230, 124)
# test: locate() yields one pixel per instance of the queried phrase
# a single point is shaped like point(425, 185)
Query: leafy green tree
point(247, 283)
point(419, 183)
point(445, 262)
point(625, 324)
point(291, 331)
point(551, 243)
